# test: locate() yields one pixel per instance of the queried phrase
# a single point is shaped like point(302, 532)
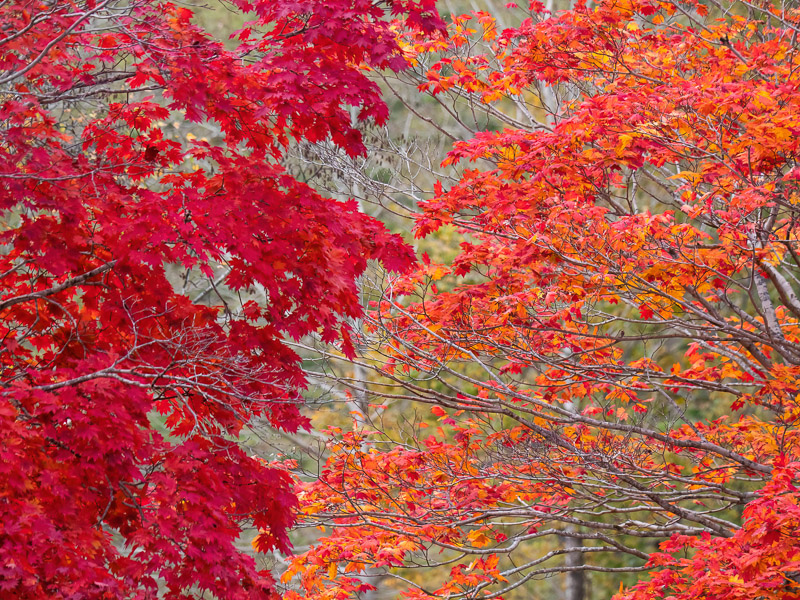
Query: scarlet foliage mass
point(613, 356)
point(97, 500)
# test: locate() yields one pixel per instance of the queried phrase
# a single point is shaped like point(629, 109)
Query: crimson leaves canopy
point(95, 501)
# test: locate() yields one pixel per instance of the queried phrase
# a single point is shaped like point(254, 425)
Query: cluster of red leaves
point(760, 560)
point(96, 501)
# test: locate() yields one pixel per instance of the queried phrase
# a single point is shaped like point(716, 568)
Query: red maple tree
point(96, 501)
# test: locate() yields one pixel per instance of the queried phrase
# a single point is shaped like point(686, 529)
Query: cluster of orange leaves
point(560, 270)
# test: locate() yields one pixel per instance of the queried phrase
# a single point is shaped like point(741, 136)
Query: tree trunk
point(575, 588)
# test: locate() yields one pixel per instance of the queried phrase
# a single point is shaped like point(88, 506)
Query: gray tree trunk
point(575, 588)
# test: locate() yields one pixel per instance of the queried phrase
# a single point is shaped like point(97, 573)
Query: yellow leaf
point(438, 273)
point(407, 546)
point(623, 142)
point(781, 134)
point(478, 538)
point(491, 96)
point(691, 176)
point(522, 312)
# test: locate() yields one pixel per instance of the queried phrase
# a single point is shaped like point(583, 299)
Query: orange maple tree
point(613, 355)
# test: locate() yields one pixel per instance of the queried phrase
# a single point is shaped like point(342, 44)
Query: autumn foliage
point(149, 280)
point(613, 357)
